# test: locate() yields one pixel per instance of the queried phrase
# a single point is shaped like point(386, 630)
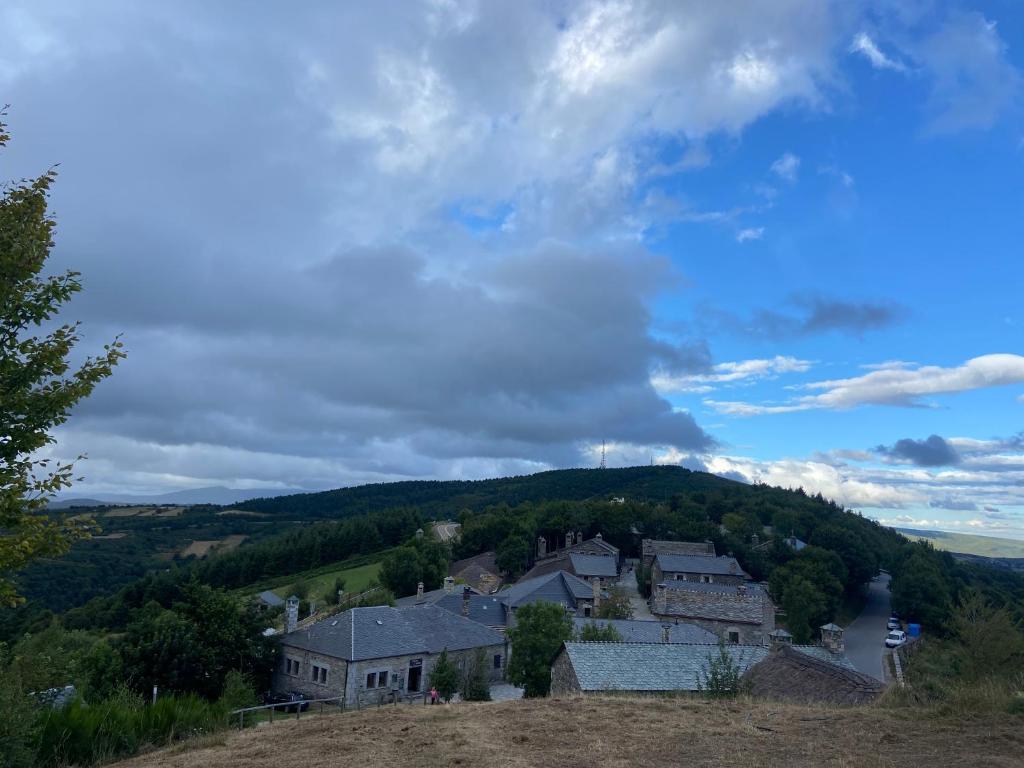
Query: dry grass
point(606, 732)
point(203, 548)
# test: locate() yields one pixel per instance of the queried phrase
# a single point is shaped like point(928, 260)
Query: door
point(415, 677)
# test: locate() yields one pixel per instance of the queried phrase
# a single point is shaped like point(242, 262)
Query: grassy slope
point(618, 732)
point(356, 580)
point(986, 546)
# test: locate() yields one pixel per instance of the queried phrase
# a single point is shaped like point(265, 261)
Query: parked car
point(292, 701)
point(895, 638)
point(894, 623)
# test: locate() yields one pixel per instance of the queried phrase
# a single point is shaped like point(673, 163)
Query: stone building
point(581, 557)
point(742, 614)
point(480, 572)
point(698, 568)
point(651, 548)
point(372, 655)
point(640, 631)
point(682, 667)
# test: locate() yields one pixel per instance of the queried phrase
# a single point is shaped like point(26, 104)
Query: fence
point(287, 705)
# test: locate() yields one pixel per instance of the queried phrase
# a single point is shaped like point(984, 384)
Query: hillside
point(610, 732)
point(439, 498)
point(968, 544)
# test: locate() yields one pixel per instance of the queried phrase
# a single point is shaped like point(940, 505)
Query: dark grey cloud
point(953, 504)
point(808, 316)
point(933, 451)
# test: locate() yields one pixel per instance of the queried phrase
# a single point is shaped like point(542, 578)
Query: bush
point(722, 678)
point(476, 686)
point(444, 676)
point(121, 726)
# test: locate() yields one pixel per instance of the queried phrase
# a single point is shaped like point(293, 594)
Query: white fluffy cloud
point(786, 167)
point(864, 45)
point(729, 373)
point(902, 385)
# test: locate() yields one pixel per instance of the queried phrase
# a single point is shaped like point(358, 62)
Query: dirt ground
point(620, 732)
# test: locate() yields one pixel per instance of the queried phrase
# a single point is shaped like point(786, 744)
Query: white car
point(895, 638)
point(894, 623)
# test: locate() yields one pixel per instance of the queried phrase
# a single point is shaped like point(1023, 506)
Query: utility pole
point(603, 454)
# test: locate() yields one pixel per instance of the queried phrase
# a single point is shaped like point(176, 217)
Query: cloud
point(750, 233)
point(931, 452)
point(729, 373)
point(866, 47)
point(953, 504)
point(973, 81)
point(904, 387)
point(812, 315)
point(786, 167)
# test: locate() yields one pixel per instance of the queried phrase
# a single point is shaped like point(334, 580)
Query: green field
point(356, 579)
point(986, 546)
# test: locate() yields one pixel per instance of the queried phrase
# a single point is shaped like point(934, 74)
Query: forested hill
point(440, 498)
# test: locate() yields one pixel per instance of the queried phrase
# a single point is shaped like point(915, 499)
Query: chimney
point(755, 540)
point(832, 638)
point(449, 584)
point(579, 537)
point(779, 638)
point(419, 533)
point(542, 547)
point(659, 599)
point(666, 630)
point(312, 607)
point(291, 614)
point(419, 591)
point(599, 537)
point(568, 539)
point(595, 583)
point(741, 590)
point(466, 592)
point(733, 565)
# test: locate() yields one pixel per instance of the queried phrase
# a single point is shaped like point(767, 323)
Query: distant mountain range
point(212, 495)
point(969, 544)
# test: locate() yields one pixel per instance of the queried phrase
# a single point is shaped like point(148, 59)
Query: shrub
point(475, 683)
point(722, 678)
point(444, 676)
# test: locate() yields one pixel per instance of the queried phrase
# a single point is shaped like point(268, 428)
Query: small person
point(433, 696)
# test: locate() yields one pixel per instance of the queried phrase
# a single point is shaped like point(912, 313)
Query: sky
point(363, 242)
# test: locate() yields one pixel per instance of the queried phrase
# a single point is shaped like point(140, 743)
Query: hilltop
point(968, 544)
point(609, 732)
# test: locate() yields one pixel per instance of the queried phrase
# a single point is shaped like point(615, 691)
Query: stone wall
point(651, 548)
point(751, 616)
point(732, 580)
point(563, 676)
point(349, 679)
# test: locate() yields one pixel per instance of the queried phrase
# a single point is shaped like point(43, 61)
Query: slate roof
point(269, 598)
point(433, 596)
point(715, 602)
point(558, 587)
point(716, 566)
point(638, 631)
point(676, 666)
point(480, 571)
point(593, 565)
point(752, 589)
point(381, 632)
point(485, 609)
point(789, 675)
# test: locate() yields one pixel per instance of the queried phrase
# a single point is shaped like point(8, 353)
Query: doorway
point(415, 676)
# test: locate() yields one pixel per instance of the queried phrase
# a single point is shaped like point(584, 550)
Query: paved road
point(628, 583)
point(865, 637)
point(446, 531)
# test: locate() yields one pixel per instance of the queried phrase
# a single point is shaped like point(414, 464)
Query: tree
point(540, 630)
point(418, 560)
point(594, 632)
point(722, 678)
point(38, 387)
point(444, 676)
point(805, 608)
point(476, 686)
point(989, 639)
point(512, 554)
point(615, 606)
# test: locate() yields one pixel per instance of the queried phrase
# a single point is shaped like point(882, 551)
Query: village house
point(738, 614)
point(433, 596)
point(698, 568)
point(370, 655)
point(639, 631)
point(589, 667)
point(581, 557)
point(268, 601)
point(480, 572)
point(651, 548)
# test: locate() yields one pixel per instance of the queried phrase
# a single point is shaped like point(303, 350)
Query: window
point(377, 680)
point(497, 661)
point(318, 674)
point(734, 637)
point(705, 579)
point(291, 667)
point(586, 611)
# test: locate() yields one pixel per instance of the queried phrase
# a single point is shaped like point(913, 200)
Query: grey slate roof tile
point(716, 566)
point(638, 631)
point(381, 632)
point(585, 566)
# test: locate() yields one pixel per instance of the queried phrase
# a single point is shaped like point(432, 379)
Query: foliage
point(512, 555)
point(38, 387)
point(722, 678)
point(805, 609)
point(239, 693)
point(476, 684)
point(121, 726)
point(922, 586)
point(191, 647)
point(334, 595)
point(988, 638)
point(19, 724)
point(444, 676)
point(594, 632)
point(540, 630)
point(418, 560)
point(615, 606)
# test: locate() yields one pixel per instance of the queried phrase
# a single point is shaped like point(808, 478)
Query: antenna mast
point(603, 465)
